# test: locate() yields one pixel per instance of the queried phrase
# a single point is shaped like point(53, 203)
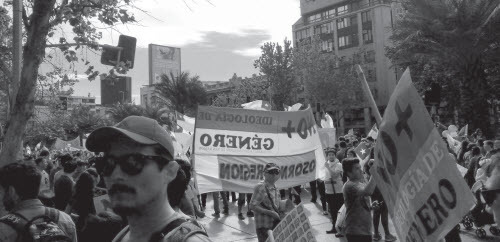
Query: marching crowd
point(153, 196)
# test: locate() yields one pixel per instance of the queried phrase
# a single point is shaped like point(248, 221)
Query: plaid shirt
point(260, 197)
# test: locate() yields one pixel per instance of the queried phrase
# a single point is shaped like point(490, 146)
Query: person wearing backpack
point(144, 182)
point(28, 219)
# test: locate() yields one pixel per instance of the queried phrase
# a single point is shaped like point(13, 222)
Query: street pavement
point(230, 228)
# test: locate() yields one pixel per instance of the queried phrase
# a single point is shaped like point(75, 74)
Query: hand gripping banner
point(232, 146)
point(418, 178)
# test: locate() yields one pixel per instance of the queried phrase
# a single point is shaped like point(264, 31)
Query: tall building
point(346, 28)
point(116, 90)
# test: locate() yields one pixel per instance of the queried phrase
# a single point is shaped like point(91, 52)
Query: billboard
point(163, 60)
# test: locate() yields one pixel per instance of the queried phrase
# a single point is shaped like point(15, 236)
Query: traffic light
point(128, 44)
point(124, 52)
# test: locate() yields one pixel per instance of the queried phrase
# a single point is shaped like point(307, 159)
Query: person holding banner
point(333, 188)
point(266, 203)
point(358, 221)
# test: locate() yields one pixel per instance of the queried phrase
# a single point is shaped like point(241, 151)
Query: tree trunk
point(33, 53)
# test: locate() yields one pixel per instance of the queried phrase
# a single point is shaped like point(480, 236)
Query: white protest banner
point(295, 226)
point(424, 191)
point(327, 137)
point(232, 146)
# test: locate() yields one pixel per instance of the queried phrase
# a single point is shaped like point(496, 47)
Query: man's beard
point(127, 210)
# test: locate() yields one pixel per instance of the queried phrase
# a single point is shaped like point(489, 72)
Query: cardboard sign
point(102, 203)
point(424, 191)
point(232, 147)
point(294, 227)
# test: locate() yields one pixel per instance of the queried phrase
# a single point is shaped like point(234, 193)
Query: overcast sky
point(217, 37)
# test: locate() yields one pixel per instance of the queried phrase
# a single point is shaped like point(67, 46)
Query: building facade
point(348, 28)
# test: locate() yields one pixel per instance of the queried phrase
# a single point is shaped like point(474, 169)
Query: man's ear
point(11, 192)
point(171, 168)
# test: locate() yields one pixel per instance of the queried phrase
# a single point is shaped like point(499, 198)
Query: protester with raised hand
point(358, 221)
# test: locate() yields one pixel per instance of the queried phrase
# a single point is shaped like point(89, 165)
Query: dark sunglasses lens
point(132, 165)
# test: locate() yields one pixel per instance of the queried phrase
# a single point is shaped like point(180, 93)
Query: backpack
point(41, 228)
point(184, 227)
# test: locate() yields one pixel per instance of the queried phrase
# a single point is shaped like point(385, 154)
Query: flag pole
point(368, 94)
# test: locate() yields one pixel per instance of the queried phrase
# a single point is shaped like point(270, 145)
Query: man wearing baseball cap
point(143, 181)
point(266, 203)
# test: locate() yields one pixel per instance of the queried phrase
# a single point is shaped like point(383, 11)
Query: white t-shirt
point(44, 183)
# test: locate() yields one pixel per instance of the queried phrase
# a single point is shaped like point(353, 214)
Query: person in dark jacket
point(89, 226)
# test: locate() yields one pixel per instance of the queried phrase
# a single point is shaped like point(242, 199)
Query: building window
point(317, 29)
point(325, 28)
point(367, 36)
point(328, 14)
point(348, 41)
point(343, 9)
point(314, 18)
point(346, 22)
point(366, 16)
point(302, 34)
point(327, 45)
point(344, 40)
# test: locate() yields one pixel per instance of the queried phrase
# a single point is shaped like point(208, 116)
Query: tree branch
point(59, 13)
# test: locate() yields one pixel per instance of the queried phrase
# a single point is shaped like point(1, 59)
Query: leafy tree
point(328, 79)
point(120, 111)
point(182, 93)
point(64, 125)
point(276, 64)
point(82, 121)
point(244, 90)
point(456, 44)
point(41, 19)
point(5, 62)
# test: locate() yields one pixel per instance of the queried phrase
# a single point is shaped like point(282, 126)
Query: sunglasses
point(131, 164)
point(488, 196)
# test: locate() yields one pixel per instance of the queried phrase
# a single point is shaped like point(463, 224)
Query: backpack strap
point(188, 228)
point(158, 236)
point(16, 221)
point(53, 214)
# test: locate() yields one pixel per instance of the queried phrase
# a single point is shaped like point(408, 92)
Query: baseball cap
point(140, 129)
point(271, 167)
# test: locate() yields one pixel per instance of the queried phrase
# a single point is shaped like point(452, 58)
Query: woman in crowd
point(89, 226)
point(63, 188)
point(189, 202)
